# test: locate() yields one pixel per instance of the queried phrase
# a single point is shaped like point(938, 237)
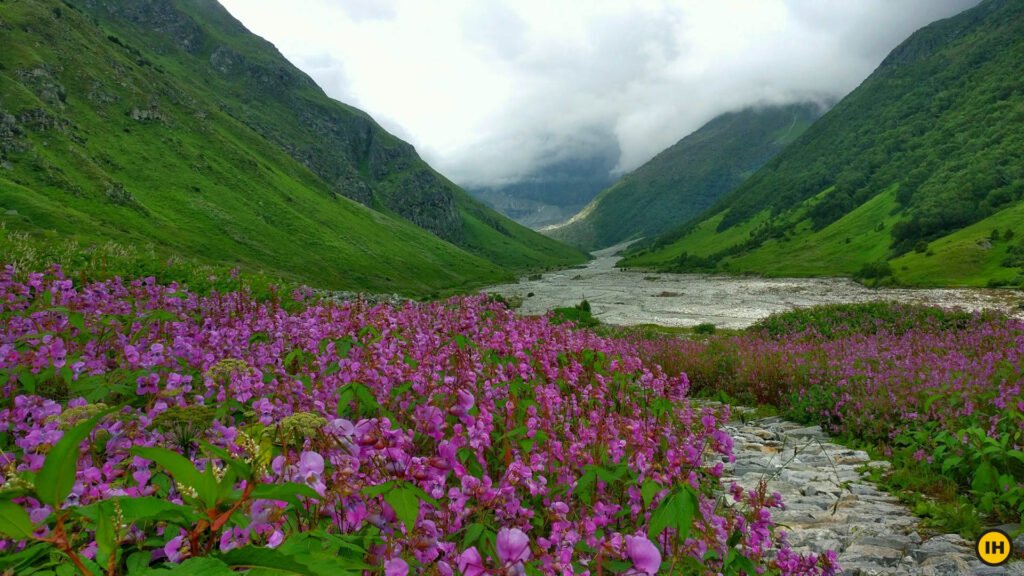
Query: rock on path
point(829, 506)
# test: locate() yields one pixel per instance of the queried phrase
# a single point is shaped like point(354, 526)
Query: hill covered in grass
point(915, 177)
point(685, 179)
point(168, 123)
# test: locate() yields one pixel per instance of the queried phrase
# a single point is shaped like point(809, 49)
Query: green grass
point(841, 248)
point(967, 257)
point(228, 174)
point(702, 240)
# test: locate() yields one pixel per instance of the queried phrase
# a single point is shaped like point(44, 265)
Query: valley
point(247, 327)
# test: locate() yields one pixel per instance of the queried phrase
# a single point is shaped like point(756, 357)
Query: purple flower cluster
point(523, 444)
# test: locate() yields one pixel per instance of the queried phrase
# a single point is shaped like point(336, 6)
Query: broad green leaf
point(585, 484)
point(14, 562)
point(105, 537)
point(265, 559)
point(76, 320)
point(27, 381)
point(55, 479)
point(649, 490)
point(986, 479)
point(138, 563)
point(472, 535)
point(152, 509)
point(406, 504)
point(685, 507)
point(204, 566)
point(676, 511)
point(950, 462)
point(182, 470)
point(243, 470)
point(660, 519)
point(14, 521)
point(286, 492)
point(371, 491)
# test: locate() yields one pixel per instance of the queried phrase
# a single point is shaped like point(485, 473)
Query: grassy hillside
point(685, 179)
point(167, 123)
point(924, 159)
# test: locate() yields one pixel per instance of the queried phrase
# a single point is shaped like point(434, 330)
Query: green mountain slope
point(166, 122)
point(925, 157)
point(687, 178)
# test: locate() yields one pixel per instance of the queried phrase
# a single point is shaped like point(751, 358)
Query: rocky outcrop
point(161, 16)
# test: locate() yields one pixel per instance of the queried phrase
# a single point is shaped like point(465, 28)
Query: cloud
point(491, 91)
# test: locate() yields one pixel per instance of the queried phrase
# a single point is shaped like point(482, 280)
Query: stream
point(628, 298)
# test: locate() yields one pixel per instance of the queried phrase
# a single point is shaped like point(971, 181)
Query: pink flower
point(396, 567)
point(513, 546)
point(644, 554)
point(311, 465)
point(470, 562)
point(173, 549)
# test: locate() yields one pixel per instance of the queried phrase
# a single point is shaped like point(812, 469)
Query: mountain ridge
point(933, 133)
point(687, 177)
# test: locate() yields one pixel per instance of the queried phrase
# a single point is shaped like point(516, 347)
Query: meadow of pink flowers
point(940, 387)
point(220, 432)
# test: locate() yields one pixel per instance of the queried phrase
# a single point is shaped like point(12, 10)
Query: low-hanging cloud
point(492, 91)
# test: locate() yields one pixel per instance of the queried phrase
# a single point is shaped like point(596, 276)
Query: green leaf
point(377, 490)
point(462, 341)
point(182, 470)
point(286, 492)
point(986, 479)
point(55, 479)
point(76, 320)
point(242, 470)
point(685, 505)
point(13, 562)
point(204, 566)
point(660, 519)
point(342, 346)
point(674, 512)
point(265, 559)
point(472, 535)
point(405, 500)
point(649, 490)
point(152, 509)
point(138, 563)
point(585, 484)
point(950, 462)
point(14, 521)
point(105, 536)
point(27, 381)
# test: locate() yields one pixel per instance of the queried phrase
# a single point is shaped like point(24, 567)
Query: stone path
point(829, 506)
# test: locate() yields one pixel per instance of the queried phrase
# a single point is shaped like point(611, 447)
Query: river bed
point(628, 298)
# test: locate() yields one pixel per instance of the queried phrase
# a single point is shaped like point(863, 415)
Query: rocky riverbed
point(629, 298)
point(830, 506)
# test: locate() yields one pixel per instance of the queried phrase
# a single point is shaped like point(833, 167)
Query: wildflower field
point(146, 429)
point(938, 392)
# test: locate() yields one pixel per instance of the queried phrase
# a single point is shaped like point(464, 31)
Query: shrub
point(704, 328)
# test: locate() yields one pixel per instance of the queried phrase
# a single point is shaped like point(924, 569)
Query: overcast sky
point(490, 91)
